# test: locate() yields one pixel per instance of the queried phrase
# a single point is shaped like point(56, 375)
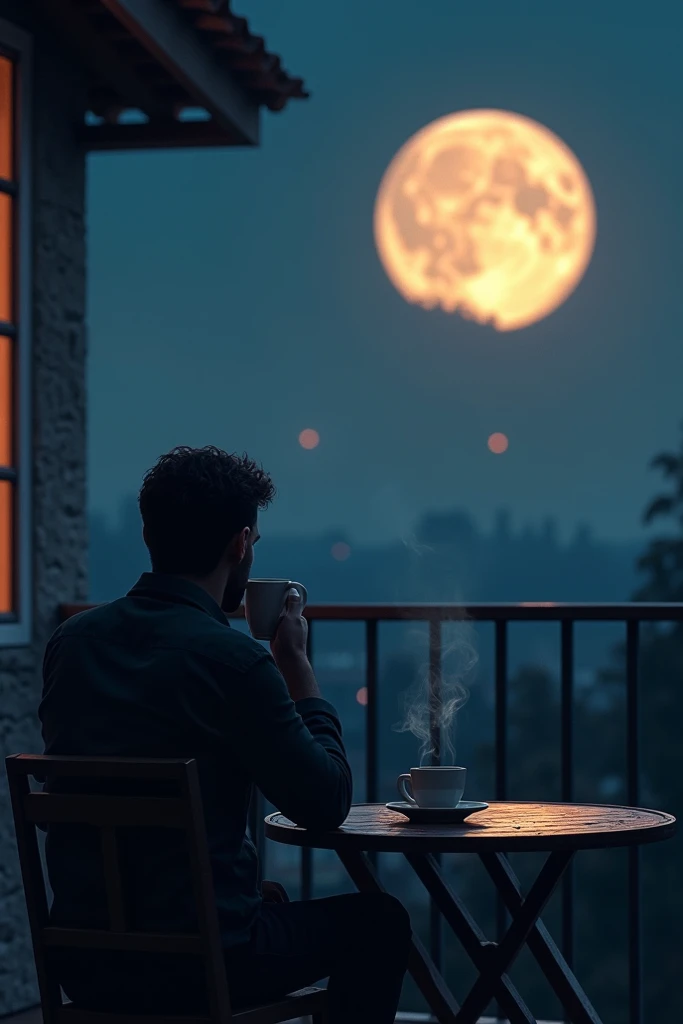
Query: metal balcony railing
point(631, 615)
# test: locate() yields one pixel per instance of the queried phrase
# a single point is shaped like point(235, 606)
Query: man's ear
point(242, 543)
point(236, 548)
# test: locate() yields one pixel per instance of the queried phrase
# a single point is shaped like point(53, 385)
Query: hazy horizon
point(564, 534)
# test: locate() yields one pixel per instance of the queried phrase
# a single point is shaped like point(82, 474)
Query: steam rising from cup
point(431, 705)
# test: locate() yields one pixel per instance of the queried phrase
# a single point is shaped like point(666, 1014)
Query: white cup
point(263, 604)
point(433, 786)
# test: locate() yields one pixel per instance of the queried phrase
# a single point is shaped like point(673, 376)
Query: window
point(15, 263)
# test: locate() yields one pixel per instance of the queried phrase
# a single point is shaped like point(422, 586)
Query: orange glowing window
point(8, 338)
point(5, 401)
point(6, 118)
point(6, 546)
point(6, 203)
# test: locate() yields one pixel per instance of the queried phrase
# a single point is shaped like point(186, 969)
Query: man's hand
point(289, 643)
point(273, 892)
point(288, 647)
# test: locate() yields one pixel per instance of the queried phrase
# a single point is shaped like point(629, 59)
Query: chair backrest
point(108, 812)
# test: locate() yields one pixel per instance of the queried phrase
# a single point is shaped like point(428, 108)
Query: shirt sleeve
point(293, 752)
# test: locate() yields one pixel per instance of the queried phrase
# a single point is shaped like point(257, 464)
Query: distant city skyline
point(501, 517)
point(446, 558)
point(253, 305)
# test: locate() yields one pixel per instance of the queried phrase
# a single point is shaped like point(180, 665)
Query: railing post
point(501, 744)
point(501, 709)
point(435, 698)
point(306, 877)
point(633, 798)
point(501, 739)
point(567, 772)
point(435, 695)
point(371, 712)
point(371, 718)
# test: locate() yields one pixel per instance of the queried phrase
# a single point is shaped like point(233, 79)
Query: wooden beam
point(203, 5)
point(157, 134)
point(101, 58)
point(165, 32)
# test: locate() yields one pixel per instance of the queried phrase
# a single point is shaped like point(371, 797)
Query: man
point(160, 673)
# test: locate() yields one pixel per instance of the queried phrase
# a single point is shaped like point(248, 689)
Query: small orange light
point(498, 443)
point(340, 551)
point(362, 696)
point(309, 438)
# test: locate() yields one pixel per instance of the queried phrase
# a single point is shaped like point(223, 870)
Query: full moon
point(486, 213)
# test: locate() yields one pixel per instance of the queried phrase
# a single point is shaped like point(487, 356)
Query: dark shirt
point(160, 673)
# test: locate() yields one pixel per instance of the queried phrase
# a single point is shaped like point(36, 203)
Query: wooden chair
point(108, 812)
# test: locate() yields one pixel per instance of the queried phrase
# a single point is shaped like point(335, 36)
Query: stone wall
point(59, 446)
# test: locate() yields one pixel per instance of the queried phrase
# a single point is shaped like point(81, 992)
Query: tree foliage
point(662, 562)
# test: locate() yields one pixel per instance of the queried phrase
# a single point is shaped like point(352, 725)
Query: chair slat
point(298, 1004)
point(65, 808)
point(74, 1015)
point(304, 1003)
point(112, 880)
point(202, 883)
point(139, 942)
point(35, 893)
point(98, 767)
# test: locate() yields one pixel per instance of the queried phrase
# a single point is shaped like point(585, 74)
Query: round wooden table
point(557, 829)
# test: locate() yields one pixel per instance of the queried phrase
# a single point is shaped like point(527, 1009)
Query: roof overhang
point(171, 72)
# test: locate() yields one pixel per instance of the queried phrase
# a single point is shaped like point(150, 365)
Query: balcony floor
point(34, 1016)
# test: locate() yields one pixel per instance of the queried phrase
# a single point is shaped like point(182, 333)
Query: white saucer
point(437, 815)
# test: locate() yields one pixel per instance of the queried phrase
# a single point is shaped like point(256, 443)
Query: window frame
point(16, 626)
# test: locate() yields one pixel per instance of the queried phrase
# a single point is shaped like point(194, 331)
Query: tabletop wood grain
point(505, 828)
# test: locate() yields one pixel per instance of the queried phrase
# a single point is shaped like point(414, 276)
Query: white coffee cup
point(433, 786)
point(263, 604)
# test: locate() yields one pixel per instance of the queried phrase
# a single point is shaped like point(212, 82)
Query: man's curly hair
point(193, 501)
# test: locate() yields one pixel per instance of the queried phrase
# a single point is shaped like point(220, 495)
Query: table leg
point(505, 953)
point(469, 933)
point(423, 970)
point(549, 958)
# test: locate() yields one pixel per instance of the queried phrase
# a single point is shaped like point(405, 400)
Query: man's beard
point(234, 590)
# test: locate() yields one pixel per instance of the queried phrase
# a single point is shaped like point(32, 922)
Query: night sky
point(236, 296)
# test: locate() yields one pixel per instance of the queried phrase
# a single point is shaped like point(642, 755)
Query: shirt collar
point(178, 590)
